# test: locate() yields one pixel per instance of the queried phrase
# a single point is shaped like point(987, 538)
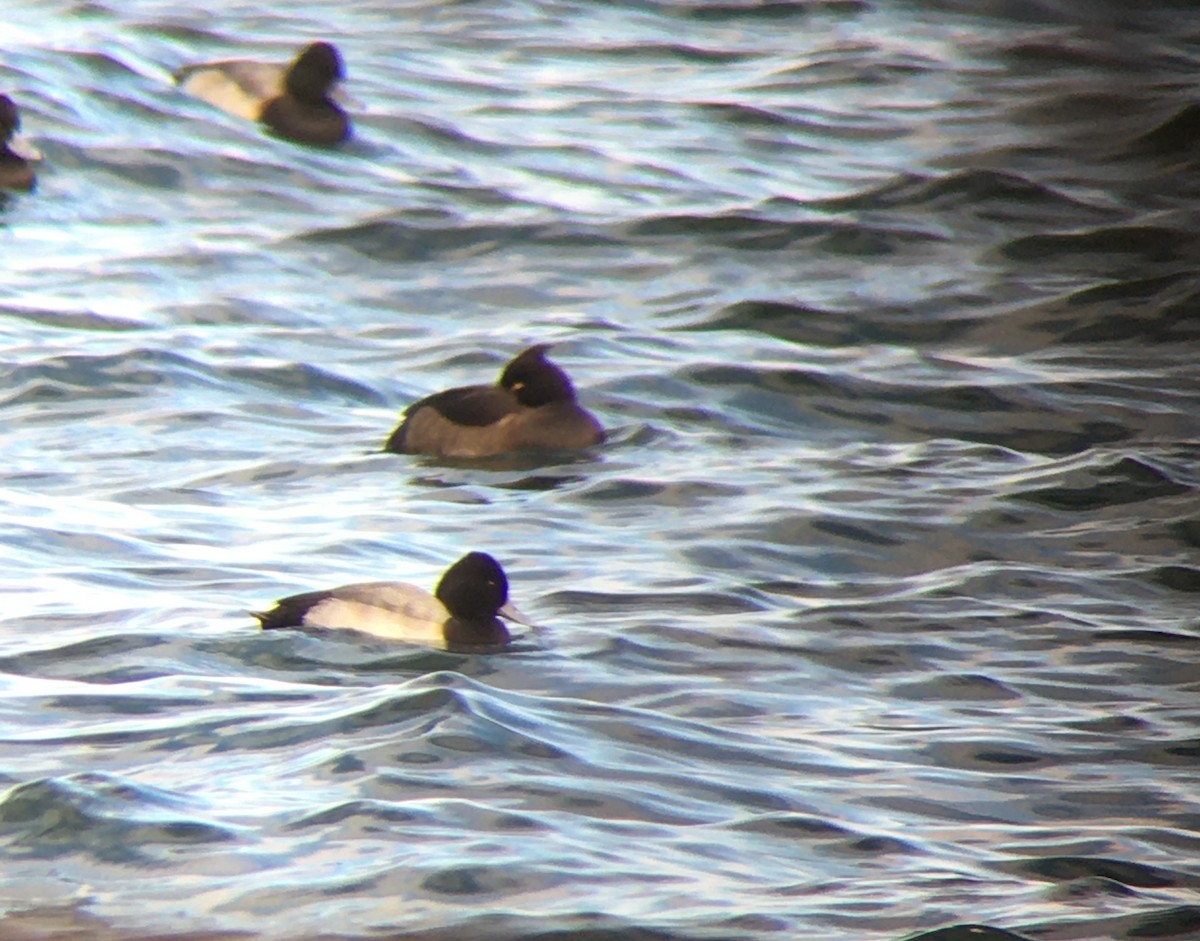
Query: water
point(876, 616)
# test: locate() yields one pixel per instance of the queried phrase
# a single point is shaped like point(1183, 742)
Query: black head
point(535, 381)
point(314, 73)
point(474, 588)
point(10, 118)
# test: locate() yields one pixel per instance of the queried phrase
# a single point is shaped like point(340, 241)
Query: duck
point(464, 611)
point(16, 171)
point(531, 407)
point(293, 101)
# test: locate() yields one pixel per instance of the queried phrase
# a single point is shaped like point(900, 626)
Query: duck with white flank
point(463, 612)
point(293, 101)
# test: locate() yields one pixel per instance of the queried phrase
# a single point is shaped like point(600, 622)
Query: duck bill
point(23, 147)
point(345, 99)
point(511, 612)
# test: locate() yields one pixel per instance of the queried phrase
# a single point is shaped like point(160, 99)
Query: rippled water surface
point(876, 616)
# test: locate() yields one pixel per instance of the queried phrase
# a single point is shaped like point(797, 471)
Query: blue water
point(875, 616)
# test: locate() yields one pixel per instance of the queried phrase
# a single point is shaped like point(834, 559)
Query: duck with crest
point(531, 407)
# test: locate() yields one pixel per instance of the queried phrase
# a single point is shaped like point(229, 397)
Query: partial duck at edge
point(16, 170)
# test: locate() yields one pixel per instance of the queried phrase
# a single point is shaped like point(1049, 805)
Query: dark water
point(877, 616)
